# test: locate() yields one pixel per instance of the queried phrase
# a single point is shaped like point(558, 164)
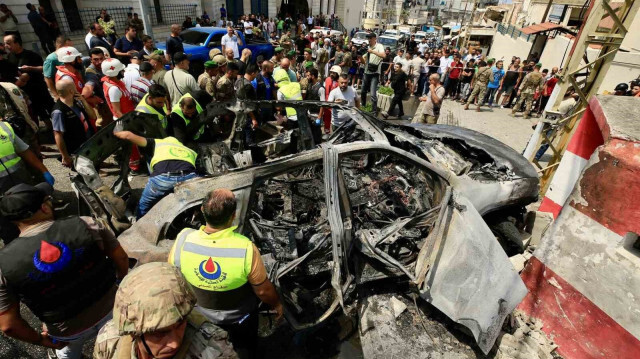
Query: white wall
point(504, 47)
point(554, 52)
point(350, 12)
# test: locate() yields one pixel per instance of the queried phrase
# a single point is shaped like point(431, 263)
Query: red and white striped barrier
point(584, 279)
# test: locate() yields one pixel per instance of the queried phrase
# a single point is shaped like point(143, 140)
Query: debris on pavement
point(526, 340)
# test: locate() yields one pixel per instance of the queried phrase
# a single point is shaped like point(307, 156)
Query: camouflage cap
point(220, 60)
point(213, 53)
point(152, 297)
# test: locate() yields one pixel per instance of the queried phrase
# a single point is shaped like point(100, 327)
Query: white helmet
point(335, 68)
point(112, 67)
point(67, 54)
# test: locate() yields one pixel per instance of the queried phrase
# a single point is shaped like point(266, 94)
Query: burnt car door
point(409, 222)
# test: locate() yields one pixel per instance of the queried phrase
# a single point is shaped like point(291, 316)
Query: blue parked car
point(198, 41)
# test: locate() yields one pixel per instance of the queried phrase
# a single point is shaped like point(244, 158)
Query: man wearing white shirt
point(399, 57)
point(444, 63)
point(231, 40)
point(310, 20)
point(344, 95)
point(248, 28)
point(132, 71)
point(423, 46)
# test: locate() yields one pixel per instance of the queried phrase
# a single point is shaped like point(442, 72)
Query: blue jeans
point(74, 349)
point(156, 188)
point(370, 83)
point(491, 94)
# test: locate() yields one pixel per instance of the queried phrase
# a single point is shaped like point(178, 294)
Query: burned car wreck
point(375, 201)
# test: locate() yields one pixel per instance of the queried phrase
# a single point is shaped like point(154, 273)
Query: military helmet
point(281, 75)
point(213, 53)
point(220, 60)
point(153, 296)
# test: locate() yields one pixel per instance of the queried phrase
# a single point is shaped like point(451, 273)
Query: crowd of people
point(73, 274)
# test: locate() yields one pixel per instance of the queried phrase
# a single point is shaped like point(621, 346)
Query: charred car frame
point(375, 201)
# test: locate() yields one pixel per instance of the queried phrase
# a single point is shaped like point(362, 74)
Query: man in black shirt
point(41, 28)
point(386, 64)
point(174, 42)
point(399, 82)
point(171, 164)
point(412, 45)
point(30, 63)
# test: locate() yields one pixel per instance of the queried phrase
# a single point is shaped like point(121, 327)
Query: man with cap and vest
point(171, 163)
point(372, 60)
point(119, 99)
point(532, 82)
point(480, 82)
point(71, 66)
point(287, 91)
point(226, 272)
point(153, 317)
point(155, 102)
point(225, 90)
point(65, 271)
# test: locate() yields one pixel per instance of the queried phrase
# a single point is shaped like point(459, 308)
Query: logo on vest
point(179, 152)
point(52, 257)
point(210, 269)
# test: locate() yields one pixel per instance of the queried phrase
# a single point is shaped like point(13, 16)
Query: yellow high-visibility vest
point(216, 262)
point(171, 149)
point(8, 154)
point(144, 107)
point(291, 91)
point(178, 111)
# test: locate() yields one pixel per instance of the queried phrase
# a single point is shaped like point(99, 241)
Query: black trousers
point(397, 100)
point(244, 336)
point(452, 87)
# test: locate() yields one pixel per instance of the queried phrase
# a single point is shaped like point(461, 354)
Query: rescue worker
point(155, 103)
point(180, 120)
point(171, 163)
point(532, 82)
point(481, 80)
point(13, 151)
point(224, 88)
point(64, 271)
point(287, 90)
point(225, 271)
point(153, 317)
point(119, 100)
point(71, 66)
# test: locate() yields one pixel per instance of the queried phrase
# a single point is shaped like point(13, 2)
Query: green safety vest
point(8, 154)
point(291, 91)
point(144, 107)
point(170, 148)
point(176, 109)
point(216, 262)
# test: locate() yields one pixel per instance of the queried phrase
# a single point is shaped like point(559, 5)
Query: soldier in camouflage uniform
point(304, 81)
point(153, 317)
point(322, 59)
point(278, 54)
point(532, 82)
point(480, 83)
point(225, 90)
point(285, 41)
point(346, 60)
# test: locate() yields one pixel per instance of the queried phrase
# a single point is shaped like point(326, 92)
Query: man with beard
point(51, 62)
point(71, 66)
point(30, 65)
point(93, 88)
point(345, 95)
point(98, 39)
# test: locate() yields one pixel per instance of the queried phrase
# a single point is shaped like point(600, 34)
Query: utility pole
point(146, 19)
point(468, 28)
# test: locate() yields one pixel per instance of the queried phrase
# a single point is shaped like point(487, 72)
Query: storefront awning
point(538, 28)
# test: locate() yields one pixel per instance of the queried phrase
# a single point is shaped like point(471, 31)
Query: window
point(194, 37)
